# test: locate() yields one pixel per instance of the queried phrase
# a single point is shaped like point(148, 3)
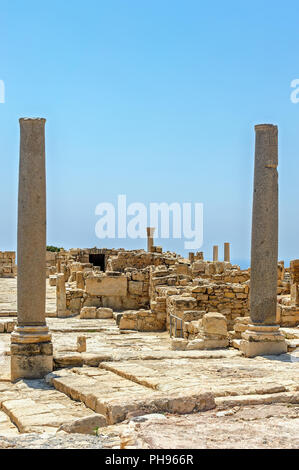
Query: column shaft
point(264, 239)
point(226, 252)
point(215, 253)
point(32, 224)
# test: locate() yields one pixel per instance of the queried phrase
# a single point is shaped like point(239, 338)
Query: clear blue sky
point(153, 99)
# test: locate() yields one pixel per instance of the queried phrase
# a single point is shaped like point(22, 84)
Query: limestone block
point(240, 327)
point(214, 323)
point(128, 320)
point(81, 344)
point(52, 280)
point(80, 280)
point(148, 321)
point(104, 312)
point(74, 305)
point(195, 344)
point(206, 343)
point(178, 344)
point(86, 425)
point(106, 285)
point(88, 312)
point(135, 287)
point(138, 276)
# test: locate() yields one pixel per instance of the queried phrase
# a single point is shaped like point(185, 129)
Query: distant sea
point(241, 262)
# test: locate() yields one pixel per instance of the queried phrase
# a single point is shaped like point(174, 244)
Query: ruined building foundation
point(31, 346)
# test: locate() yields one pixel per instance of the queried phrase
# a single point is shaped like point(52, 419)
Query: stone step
point(186, 377)
point(7, 428)
point(63, 359)
point(244, 400)
point(114, 397)
point(35, 406)
point(292, 344)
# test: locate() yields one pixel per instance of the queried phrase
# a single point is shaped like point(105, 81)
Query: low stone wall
point(139, 260)
point(210, 332)
point(219, 271)
point(141, 320)
point(287, 315)
point(116, 290)
point(230, 299)
point(8, 264)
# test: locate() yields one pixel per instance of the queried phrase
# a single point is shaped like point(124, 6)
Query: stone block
point(214, 323)
point(103, 312)
point(52, 280)
point(106, 285)
point(88, 312)
point(135, 287)
point(86, 425)
point(81, 344)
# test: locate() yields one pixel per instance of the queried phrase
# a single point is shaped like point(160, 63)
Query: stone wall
point(139, 260)
point(232, 300)
point(8, 264)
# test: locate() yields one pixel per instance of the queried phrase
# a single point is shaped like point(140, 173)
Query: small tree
point(53, 248)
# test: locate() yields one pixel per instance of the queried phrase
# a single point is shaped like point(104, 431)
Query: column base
point(31, 352)
point(263, 340)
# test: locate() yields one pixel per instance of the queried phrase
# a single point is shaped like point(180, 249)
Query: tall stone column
point(215, 253)
point(150, 238)
point(263, 336)
point(226, 252)
point(31, 346)
point(60, 295)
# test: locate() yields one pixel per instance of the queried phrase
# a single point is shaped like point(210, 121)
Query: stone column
point(226, 252)
point(31, 346)
point(191, 257)
point(263, 336)
point(150, 238)
point(215, 253)
point(60, 295)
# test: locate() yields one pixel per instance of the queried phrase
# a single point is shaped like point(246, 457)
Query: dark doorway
point(98, 260)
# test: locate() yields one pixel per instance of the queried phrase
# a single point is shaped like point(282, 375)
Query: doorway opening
point(98, 260)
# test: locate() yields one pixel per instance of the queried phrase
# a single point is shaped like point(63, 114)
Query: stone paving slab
point(8, 298)
point(35, 406)
point(231, 376)
point(248, 427)
point(114, 396)
point(7, 428)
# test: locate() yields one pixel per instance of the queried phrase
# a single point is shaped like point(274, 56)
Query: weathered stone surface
point(104, 312)
point(88, 312)
point(264, 244)
point(107, 285)
point(81, 344)
point(214, 323)
point(87, 425)
point(31, 327)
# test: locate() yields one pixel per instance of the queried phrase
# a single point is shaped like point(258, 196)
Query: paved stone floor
point(8, 297)
point(199, 399)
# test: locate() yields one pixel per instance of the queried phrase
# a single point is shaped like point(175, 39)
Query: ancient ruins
point(94, 338)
